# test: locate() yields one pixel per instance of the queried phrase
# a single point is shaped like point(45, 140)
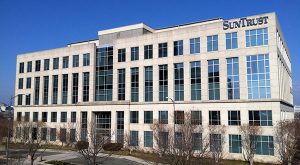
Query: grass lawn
point(151, 157)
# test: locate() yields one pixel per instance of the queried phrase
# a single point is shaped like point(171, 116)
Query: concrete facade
point(280, 102)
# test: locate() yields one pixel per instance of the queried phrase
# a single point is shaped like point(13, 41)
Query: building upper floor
point(214, 57)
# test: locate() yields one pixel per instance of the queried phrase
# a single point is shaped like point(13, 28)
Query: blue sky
point(32, 25)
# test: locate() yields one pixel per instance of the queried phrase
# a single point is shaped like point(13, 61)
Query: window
point(148, 117)
point(178, 139)
point(195, 80)
point(257, 37)
point(20, 83)
point(21, 67)
point(163, 49)
point(179, 82)
point(163, 117)
point(27, 116)
point(179, 117)
point(46, 90)
point(163, 141)
point(83, 131)
point(197, 141)
point(34, 133)
point(35, 116)
point(148, 51)
point(213, 80)
point(196, 117)
point(178, 48)
point(134, 138)
point(53, 116)
point(104, 74)
point(44, 116)
point(86, 86)
point(264, 145)
point(121, 84)
point(235, 143)
point(63, 117)
point(75, 88)
point(258, 76)
point(134, 116)
point(120, 126)
point(36, 90)
point(75, 61)
point(52, 134)
point(231, 40)
point(63, 135)
point(29, 66)
point(214, 118)
point(148, 83)
point(20, 99)
point(260, 118)
point(134, 84)
point(86, 59)
point(27, 100)
point(233, 82)
point(55, 63)
point(44, 132)
point(234, 118)
point(122, 55)
point(195, 45)
point(64, 89)
point(163, 82)
point(215, 142)
point(148, 139)
point(212, 43)
point(19, 116)
point(46, 64)
point(54, 89)
point(66, 62)
point(37, 65)
point(134, 53)
point(73, 117)
point(28, 83)
point(72, 135)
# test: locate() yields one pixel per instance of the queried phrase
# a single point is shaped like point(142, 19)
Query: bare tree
point(286, 140)
point(131, 142)
point(217, 141)
point(66, 137)
point(29, 135)
point(249, 134)
point(186, 146)
point(91, 149)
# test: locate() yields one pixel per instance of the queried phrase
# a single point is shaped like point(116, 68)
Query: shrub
point(81, 145)
point(112, 146)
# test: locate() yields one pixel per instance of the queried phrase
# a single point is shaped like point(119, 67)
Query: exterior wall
point(280, 76)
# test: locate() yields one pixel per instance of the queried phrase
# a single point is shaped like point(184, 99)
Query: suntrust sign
point(245, 22)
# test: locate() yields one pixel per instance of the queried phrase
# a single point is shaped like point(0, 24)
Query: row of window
point(259, 118)
point(264, 145)
point(65, 63)
point(254, 37)
point(65, 89)
point(35, 117)
point(258, 81)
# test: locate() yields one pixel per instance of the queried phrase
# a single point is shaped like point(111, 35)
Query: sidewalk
point(67, 155)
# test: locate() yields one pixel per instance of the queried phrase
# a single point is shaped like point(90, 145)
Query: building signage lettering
point(245, 22)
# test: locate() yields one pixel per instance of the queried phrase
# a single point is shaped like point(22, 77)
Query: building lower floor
point(135, 122)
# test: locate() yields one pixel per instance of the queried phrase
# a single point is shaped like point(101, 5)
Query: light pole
point(9, 109)
point(174, 114)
